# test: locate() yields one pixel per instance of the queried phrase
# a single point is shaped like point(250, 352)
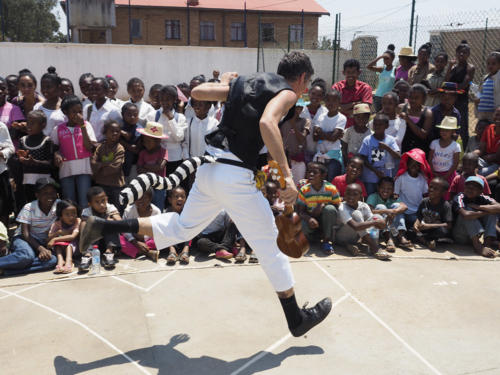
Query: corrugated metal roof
point(309, 6)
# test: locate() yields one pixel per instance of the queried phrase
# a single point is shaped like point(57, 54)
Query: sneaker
point(91, 233)
point(312, 316)
point(327, 248)
point(223, 254)
point(108, 260)
point(85, 262)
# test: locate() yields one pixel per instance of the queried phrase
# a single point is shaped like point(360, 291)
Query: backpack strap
point(158, 114)
point(89, 112)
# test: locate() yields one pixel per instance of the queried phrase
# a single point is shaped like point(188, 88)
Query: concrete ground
point(420, 313)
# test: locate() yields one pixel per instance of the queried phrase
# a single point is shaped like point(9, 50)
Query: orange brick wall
point(153, 27)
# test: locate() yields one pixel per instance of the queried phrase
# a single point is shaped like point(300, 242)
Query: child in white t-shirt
point(444, 152)
point(328, 134)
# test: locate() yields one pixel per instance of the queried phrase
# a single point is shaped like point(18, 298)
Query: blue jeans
point(464, 230)
point(80, 182)
point(399, 220)
point(410, 219)
point(23, 259)
point(159, 198)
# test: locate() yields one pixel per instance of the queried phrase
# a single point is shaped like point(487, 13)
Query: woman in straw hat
point(406, 61)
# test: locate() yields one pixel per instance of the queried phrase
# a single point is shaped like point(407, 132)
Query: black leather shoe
point(91, 233)
point(312, 316)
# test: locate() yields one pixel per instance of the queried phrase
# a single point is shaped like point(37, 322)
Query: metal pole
point(245, 23)
point(302, 32)
point(334, 45)
point(68, 37)
point(338, 41)
point(289, 31)
point(484, 43)
point(416, 31)
point(411, 22)
point(188, 25)
point(258, 46)
point(2, 15)
point(130, 41)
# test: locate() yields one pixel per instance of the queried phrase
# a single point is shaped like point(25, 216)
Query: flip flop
point(67, 269)
point(389, 246)
point(59, 269)
point(172, 258)
point(184, 257)
point(240, 257)
point(381, 255)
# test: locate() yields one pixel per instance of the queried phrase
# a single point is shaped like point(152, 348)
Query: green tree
point(325, 43)
point(30, 21)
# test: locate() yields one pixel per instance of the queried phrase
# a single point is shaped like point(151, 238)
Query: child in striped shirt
point(317, 205)
point(486, 105)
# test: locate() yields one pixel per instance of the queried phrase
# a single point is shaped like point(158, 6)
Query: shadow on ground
point(169, 360)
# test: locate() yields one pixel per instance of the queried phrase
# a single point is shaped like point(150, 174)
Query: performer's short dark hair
point(294, 64)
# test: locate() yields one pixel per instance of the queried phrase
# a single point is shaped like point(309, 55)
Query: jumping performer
point(254, 107)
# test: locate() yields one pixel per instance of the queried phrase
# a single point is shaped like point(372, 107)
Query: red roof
point(309, 6)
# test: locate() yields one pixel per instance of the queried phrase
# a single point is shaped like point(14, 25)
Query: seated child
point(473, 145)
point(470, 163)
point(476, 215)
point(7, 203)
point(219, 238)
point(153, 158)
point(392, 210)
point(135, 244)
point(356, 219)
point(434, 214)
point(354, 171)
point(4, 240)
point(29, 252)
point(107, 162)
point(444, 152)
point(381, 154)
point(317, 206)
point(63, 235)
point(179, 252)
point(272, 195)
point(110, 243)
point(354, 135)
point(411, 185)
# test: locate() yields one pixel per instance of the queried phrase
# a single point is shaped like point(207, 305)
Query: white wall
point(153, 64)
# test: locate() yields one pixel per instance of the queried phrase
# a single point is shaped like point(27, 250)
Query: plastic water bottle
point(96, 261)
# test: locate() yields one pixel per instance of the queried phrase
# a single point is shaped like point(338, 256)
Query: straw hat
point(361, 108)
point(448, 123)
point(153, 129)
point(406, 51)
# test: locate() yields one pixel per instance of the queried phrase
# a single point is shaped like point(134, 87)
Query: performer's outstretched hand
point(289, 194)
point(227, 77)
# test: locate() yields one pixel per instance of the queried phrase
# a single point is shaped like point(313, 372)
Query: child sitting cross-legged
point(63, 235)
point(434, 215)
point(356, 219)
point(110, 243)
point(477, 216)
point(392, 210)
point(354, 171)
point(179, 252)
point(135, 244)
point(317, 206)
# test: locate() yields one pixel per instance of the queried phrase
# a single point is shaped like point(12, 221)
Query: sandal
point(253, 259)
point(389, 246)
point(241, 256)
point(353, 249)
point(184, 257)
point(381, 255)
point(404, 242)
point(67, 269)
point(59, 269)
point(172, 258)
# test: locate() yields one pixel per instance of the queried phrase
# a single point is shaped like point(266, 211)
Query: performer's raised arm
point(214, 91)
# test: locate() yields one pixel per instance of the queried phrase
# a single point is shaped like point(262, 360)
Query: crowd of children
point(393, 165)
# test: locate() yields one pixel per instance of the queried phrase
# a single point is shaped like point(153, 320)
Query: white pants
point(221, 186)
point(298, 170)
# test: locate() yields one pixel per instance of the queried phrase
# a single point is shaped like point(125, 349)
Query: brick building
point(213, 23)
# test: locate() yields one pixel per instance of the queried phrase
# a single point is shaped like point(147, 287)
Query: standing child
point(470, 163)
point(75, 140)
point(36, 153)
point(386, 75)
point(354, 171)
point(317, 206)
point(488, 97)
point(354, 136)
point(397, 126)
point(357, 218)
point(63, 235)
point(129, 139)
point(419, 72)
point(198, 127)
point(85, 83)
point(109, 245)
point(135, 244)
point(418, 120)
point(107, 162)
point(392, 210)
point(402, 89)
point(66, 88)
point(445, 152)
point(12, 81)
point(434, 215)
point(136, 89)
point(435, 79)
point(113, 89)
point(52, 105)
point(381, 154)
point(180, 251)
point(476, 216)
point(327, 133)
point(154, 96)
point(447, 97)
point(153, 158)
point(411, 182)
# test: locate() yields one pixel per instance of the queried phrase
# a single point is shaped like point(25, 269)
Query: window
point(295, 33)
point(237, 31)
point(267, 32)
point(135, 28)
point(207, 31)
point(172, 29)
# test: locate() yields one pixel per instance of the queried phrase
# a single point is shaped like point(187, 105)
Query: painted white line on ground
point(86, 328)
point(22, 290)
point(382, 323)
point(128, 283)
point(280, 342)
point(160, 280)
point(146, 290)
